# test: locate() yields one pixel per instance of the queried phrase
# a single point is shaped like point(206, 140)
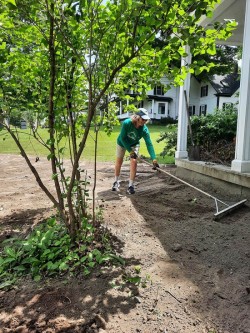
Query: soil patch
point(196, 271)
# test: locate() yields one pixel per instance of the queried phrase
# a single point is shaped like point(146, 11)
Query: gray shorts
point(120, 151)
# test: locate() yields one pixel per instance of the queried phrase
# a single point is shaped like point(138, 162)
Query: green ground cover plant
point(48, 251)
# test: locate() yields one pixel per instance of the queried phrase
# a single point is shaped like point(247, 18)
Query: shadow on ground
point(214, 256)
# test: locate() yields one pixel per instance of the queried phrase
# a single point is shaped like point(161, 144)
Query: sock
point(117, 179)
point(131, 183)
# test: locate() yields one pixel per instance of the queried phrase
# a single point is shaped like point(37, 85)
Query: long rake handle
point(186, 183)
point(218, 214)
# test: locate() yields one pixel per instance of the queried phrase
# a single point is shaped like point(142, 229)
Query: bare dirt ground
point(197, 271)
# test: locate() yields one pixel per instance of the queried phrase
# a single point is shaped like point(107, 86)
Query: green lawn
point(106, 144)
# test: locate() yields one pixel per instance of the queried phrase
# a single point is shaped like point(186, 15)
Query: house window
point(203, 110)
point(161, 108)
point(204, 91)
point(191, 110)
point(159, 90)
point(141, 104)
point(227, 106)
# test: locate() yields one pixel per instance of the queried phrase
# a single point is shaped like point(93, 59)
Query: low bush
point(220, 125)
point(214, 133)
point(48, 251)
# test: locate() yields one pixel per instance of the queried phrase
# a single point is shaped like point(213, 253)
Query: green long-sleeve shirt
point(130, 136)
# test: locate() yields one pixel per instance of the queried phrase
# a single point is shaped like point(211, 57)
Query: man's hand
point(155, 165)
point(133, 155)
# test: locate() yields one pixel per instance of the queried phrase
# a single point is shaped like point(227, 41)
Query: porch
point(231, 181)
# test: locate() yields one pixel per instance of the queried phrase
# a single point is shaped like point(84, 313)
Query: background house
point(205, 97)
point(219, 92)
point(159, 102)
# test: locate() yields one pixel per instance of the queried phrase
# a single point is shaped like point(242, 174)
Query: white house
point(217, 93)
point(205, 97)
point(160, 103)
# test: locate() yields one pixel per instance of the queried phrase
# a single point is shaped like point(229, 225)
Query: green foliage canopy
point(62, 63)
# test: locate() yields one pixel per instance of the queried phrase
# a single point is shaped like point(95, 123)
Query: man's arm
point(149, 144)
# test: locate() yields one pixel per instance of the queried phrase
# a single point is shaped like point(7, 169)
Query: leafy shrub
point(170, 139)
point(221, 125)
point(48, 251)
point(207, 131)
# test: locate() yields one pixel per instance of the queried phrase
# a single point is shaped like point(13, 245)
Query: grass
point(106, 145)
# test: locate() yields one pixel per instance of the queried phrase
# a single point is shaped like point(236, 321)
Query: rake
point(219, 213)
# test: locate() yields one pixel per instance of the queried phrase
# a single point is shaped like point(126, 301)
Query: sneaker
point(115, 186)
point(131, 190)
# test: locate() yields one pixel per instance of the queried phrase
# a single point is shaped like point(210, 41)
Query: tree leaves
point(63, 64)
point(13, 2)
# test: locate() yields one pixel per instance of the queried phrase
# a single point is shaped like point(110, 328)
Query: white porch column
point(120, 108)
point(241, 163)
point(181, 151)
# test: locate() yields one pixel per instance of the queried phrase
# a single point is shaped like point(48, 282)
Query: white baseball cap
point(143, 113)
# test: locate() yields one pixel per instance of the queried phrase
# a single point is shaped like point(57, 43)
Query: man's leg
point(118, 165)
point(133, 169)
point(120, 152)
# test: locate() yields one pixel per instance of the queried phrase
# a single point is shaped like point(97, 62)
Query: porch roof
point(229, 10)
point(155, 97)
